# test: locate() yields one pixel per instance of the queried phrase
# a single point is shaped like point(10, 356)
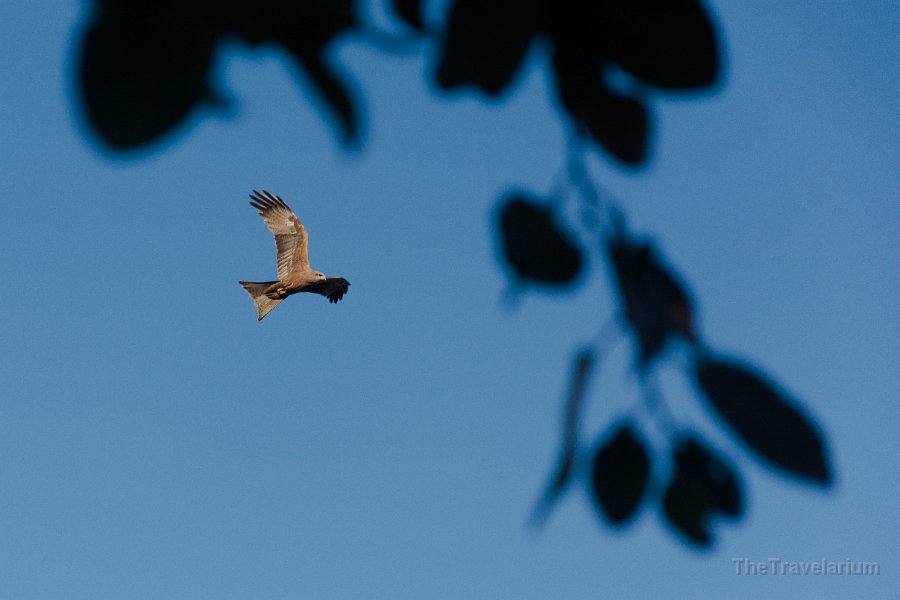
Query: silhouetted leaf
point(145, 65)
point(683, 507)
point(702, 484)
point(620, 125)
point(767, 421)
point(486, 42)
point(534, 245)
point(723, 488)
point(667, 43)
point(565, 465)
point(411, 12)
point(617, 123)
point(656, 305)
point(619, 475)
point(140, 79)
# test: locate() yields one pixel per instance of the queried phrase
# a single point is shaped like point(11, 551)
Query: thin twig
point(656, 407)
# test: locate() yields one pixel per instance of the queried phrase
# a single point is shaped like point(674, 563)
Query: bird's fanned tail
point(256, 289)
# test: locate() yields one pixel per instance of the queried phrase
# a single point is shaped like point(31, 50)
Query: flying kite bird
point(294, 273)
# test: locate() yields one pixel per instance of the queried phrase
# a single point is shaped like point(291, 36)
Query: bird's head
point(319, 276)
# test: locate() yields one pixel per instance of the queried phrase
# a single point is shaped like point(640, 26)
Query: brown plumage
point(292, 257)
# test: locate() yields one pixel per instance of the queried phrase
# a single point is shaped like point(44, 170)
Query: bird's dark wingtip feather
point(268, 199)
point(257, 201)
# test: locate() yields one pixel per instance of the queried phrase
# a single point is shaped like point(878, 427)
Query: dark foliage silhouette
point(763, 418)
point(565, 469)
point(702, 484)
point(534, 245)
point(619, 474)
point(655, 304)
point(144, 67)
point(655, 309)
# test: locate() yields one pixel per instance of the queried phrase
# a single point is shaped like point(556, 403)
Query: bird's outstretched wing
point(291, 241)
point(332, 288)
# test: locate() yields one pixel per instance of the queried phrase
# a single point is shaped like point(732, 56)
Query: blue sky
point(157, 442)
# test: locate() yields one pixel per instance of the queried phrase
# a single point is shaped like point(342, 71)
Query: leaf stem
point(657, 408)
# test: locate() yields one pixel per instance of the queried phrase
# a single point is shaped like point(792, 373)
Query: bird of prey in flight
point(294, 273)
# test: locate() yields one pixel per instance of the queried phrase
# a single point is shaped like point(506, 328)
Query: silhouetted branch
point(565, 465)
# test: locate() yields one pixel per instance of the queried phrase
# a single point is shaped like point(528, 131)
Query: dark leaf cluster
point(701, 484)
point(144, 66)
point(667, 44)
point(656, 308)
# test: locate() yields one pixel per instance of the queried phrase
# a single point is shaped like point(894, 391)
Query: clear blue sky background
point(157, 442)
